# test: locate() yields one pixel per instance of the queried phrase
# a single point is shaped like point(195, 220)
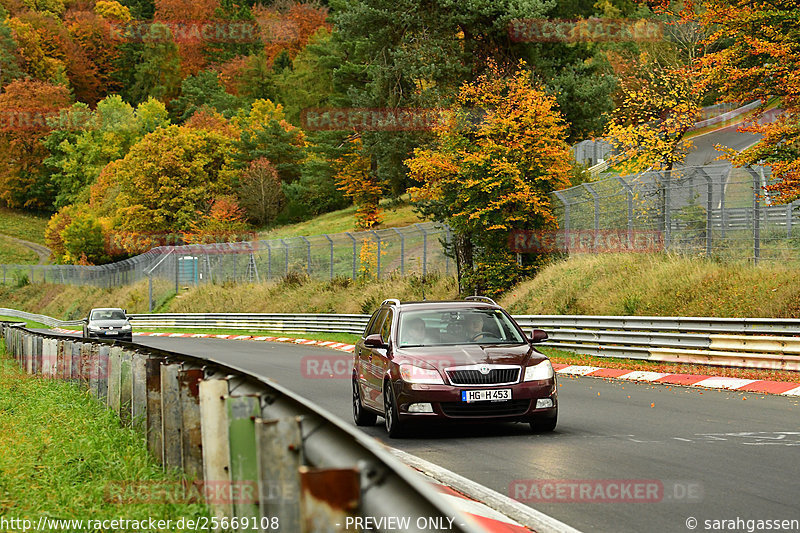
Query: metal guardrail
point(766, 343)
point(772, 343)
point(283, 322)
point(42, 319)
point(242, 435)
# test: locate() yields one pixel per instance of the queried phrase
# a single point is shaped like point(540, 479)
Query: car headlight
point(417, 374)
point(93, 328)
point(126, 327)
point(543, 370)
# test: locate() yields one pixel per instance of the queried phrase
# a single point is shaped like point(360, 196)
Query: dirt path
point(42, 251)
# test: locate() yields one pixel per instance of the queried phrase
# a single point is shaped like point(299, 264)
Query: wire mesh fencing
point(412, 249)
point(716, 211)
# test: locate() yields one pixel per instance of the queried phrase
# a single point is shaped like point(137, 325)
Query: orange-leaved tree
point(755, 54)
point(356, 178)
point(495, 160)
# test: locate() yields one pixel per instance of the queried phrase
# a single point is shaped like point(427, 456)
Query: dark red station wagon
point(459, 361)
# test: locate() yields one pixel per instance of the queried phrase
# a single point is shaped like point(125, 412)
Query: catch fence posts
point(629, 200)
point(269, 259)
point(354, 251)
point(308, 255)
point(596, 197)
point(564, 201)
point(709, 209)
point(330, 244)
point(402, 251)
point(286, 256)
point(378, 253)
point(757, 179)
point(424, 249)
point(667, 213)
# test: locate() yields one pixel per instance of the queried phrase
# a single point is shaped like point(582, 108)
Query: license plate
point(111, 332)
point(485, 395)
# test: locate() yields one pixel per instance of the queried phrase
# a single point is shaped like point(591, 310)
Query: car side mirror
point(538, 335)
point(85, 320)
point(374, 341)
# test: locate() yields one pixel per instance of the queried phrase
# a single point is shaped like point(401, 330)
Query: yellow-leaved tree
point(494, 162)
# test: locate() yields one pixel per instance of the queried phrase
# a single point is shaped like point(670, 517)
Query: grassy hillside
point(22, 225)
point(392, 216)
point(642, 284)
point(13, 253)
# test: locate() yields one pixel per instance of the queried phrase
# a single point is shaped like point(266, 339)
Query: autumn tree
point(265, 132)
point(260, 192)
point(754, 53)
point(170, 178)
point(658, 105)
point(356, 178)
point(24, 106)
point(494, 163)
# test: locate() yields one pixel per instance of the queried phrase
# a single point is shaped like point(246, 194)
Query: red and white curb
point(342, 346)
point(485, 508)
point(783, 388)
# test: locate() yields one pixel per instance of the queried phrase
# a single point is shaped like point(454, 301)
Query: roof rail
point(392, 301)
point(481, 299)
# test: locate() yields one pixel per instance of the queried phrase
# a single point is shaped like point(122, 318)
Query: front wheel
point(394, 427)
point(361, 416)
point(544, 424)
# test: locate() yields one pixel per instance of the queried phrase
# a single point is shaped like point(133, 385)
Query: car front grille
point(496, 376)
point(505, 408)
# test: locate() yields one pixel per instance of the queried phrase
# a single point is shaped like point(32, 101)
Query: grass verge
point(64, 455)
point(13, 253)
point(28, 323)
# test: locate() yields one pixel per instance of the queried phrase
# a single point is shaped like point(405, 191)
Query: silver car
point(108, 323)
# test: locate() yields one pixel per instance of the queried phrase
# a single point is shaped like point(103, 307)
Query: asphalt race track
point(718, 455)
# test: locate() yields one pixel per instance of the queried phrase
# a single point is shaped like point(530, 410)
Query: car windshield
point(108, 314)
point(457, 326)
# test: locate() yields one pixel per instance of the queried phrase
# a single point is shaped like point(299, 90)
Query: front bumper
point(447, 404)
point(111, 335)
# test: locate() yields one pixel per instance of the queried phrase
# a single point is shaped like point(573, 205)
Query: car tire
point(361, 416)
point(544, 424)
point(394, 427)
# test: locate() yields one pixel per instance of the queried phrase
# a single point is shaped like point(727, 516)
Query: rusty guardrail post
point(171, 416)
point(280, 455)
point(102, 372)
point(125, 387)
point(153, 422)
point(114, 384)
point(328, 497)
point(191, 436)
point(139, 392)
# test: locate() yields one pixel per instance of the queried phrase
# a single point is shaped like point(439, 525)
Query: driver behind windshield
point(474, 326)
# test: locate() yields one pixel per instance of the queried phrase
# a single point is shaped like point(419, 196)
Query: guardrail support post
point(327, 497)
point(189, 380)
point(280, 447)
point(139, 392)
point(171, 416)
point(125, 386)
point(153, 421)
point(242, 412)
point(216, 446)
point(114, 370)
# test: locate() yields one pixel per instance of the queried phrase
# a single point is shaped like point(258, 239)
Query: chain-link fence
point(412, 249)
point(717, 210)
